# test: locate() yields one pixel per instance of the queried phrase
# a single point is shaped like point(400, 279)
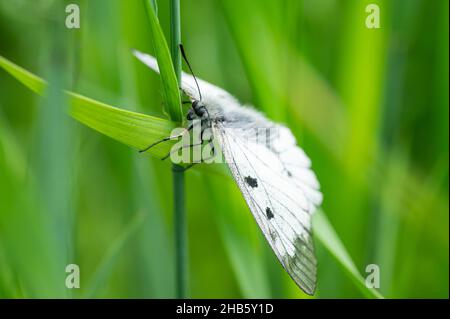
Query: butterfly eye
point(200, 111)
point(195, 104)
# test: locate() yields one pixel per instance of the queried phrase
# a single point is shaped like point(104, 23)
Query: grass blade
point(169, 79)
point(133, 129)
point(327, 235)
point(30, 80)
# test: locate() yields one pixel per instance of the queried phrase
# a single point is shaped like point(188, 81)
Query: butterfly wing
point(281, 191)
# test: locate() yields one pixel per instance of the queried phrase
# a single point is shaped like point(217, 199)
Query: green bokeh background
point(369, 106)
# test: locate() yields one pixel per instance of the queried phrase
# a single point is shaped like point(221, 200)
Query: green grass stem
point(180, 231)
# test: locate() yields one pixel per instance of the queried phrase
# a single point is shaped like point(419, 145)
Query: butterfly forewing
point(276, 197)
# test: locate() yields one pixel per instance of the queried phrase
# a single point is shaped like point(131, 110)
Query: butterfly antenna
point(192, 72)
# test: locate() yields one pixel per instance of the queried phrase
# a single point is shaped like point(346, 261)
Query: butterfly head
point(198, 110)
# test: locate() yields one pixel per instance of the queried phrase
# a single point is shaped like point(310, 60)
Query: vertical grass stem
point(180, 231)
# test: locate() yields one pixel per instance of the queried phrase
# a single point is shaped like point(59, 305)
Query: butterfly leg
point(168, 138)
point(210, 139)
point(183, 169)
point(179, 148)
point(189, 145)
point(213, 151)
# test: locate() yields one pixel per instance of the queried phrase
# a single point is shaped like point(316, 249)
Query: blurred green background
point(369, 106)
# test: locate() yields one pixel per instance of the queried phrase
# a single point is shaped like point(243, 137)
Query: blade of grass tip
point(325, 232)
point(130, 128)
point(106, 265)
point(30, 80)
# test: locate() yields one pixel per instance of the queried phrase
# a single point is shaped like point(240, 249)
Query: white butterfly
point(275, 177)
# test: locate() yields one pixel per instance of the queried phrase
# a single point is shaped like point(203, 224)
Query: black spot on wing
point(269, 213)
point(252, 182)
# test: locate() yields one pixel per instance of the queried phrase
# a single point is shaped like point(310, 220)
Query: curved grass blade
point(327, 235)
point(133, 129)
